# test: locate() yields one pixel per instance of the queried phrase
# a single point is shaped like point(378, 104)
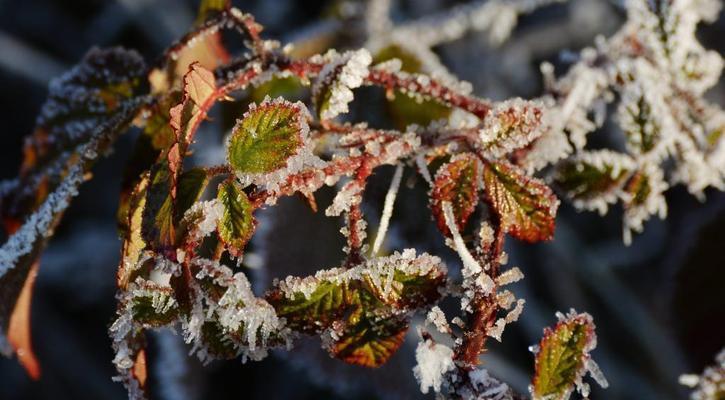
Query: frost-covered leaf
point(267, 137)
point(640, 126)
point(217, 341)
point(526, 206)
point(370, 343)
point(133, 243)
point(237, 222)
point(643, 197)
point(189, 188)
point(152, 304)
point(563, 358)
point(332, 91)
point(158, 226)
point(594, 179)
point(457, 182)
point(87, 108)
point(511, 125)
point(312, 312)
point(362, 311)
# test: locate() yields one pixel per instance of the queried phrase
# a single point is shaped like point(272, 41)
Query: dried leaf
point(19, 333)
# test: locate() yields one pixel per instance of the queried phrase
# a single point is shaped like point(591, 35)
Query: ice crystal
point(434, 360)
point(337, 79)
point(388, 208)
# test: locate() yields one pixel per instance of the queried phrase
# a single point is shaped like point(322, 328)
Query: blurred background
point(658, 304)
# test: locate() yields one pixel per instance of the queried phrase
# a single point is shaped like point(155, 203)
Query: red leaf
point(525, 205)
point(457, 182)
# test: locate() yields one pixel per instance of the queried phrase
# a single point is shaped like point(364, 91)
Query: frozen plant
point(488, 167)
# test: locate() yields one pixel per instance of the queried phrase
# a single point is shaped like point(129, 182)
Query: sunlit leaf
point(403, 109)
point(154, 305)
point(86, 110)
point(317, 311)
point(457, 182)
point(370, 343)
point(525, 205)
point(562, 356)
point(237, 223)
point(267, 136)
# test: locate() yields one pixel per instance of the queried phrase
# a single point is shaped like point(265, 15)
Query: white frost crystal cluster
point(380, 271)
point(711, 384)
point(341, 74)
point(434, 360)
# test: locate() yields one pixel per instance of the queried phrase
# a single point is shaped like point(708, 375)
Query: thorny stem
point(485, 307)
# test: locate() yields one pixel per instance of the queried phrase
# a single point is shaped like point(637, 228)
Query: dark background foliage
point(658, 304)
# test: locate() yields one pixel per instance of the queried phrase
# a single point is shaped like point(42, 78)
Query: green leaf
point(154, 305)
point(366, 306)
point(237, 223)
point(133, 243)
point(562, 356)
point(525, 205)
point(403, 109)
point(158, 226)
point(457, 182)
point(190, 187)
point(217, 341)
point(209, 8)
point(370, 343)
point(310, 314)
point(640, 126)
point(594, 175)
point(267, 137)
point(511, 125)
point(156, 137)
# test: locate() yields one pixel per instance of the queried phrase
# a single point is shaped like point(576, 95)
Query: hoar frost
point(434, 361)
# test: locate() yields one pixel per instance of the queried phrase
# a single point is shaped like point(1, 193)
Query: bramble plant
point(492, 169)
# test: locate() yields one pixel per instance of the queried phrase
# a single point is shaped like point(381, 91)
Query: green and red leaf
point(458, 183)
point(562, 357)
point(525, 205)
point(370, 343)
